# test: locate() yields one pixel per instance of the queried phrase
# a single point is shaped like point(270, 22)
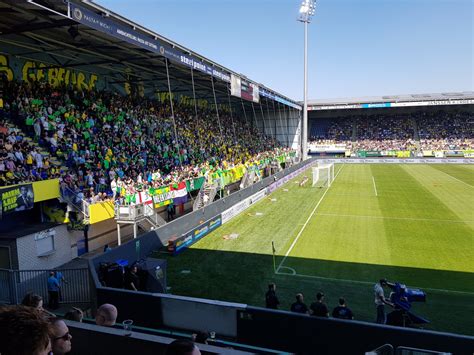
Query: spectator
point(60, 277)
point(132, 281)
point(271, 299)
point(23, 331)
point(380, 301)
point(299, 306)
point(33, 300)
point(74, 314)
point(182, 347)
point(60, 337)
point(319, 308)
point(53, 291)
point(342, 311)
point(106, 315)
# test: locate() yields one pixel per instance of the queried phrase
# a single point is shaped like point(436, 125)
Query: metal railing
point(15, 284)
point(75, 201)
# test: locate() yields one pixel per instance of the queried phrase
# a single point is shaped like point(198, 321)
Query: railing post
point(13, 287)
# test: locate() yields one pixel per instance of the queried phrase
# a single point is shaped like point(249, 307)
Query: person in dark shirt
point(132, 281)
point(342, 311)
point(299, 306)
point(271, 299)
point(319, 308)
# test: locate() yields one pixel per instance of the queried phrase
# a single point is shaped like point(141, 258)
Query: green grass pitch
point(409, 223)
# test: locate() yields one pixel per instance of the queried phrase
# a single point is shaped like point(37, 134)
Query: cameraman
point(380, 300)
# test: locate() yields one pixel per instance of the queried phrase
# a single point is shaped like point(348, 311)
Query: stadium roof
point(112, 46)
point(450, 98)
point(464, 95)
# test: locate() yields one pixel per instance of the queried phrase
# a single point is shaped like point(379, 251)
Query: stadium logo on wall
point(162, 50)
point(77, 13)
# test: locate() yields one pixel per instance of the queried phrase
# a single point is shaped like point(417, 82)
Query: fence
point(14, 284)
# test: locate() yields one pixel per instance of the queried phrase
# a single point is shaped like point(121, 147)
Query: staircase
point(248, 179)
point(205, 196)
point(75, 204)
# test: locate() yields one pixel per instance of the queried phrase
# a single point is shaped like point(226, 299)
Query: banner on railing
point(16, 198)
point(162, 196)
point(191, 237)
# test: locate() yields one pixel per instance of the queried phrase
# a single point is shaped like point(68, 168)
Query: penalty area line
point(305, 224)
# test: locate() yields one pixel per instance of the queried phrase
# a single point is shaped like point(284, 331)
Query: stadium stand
point(98, 137)
point(414, 132)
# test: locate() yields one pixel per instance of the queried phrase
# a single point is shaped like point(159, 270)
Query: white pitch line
point(305, 224)
point(465, 183)
point(396, 218)
point(375, 187)
point(366, 282)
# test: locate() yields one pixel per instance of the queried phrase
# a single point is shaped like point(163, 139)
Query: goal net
point(323, 175)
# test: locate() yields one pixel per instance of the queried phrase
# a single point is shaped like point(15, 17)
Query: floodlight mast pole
point(306, 12)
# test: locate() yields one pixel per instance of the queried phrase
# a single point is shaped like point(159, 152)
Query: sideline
point(306, 223)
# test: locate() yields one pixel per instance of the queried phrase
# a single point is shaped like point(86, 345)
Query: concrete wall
point(63, 253)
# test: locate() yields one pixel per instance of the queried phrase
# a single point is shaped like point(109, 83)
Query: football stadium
point(154, 201)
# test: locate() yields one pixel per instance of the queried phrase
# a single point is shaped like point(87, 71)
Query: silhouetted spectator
point(342, 311)
point(132, 281)
point(106, 315)
point(75, 314)
point(60, 337)
point(33, 300)
point(271, 299)
point(299, 306)
point(182, 347)
point(319, 308)
point(53, 291)
point(23, 331)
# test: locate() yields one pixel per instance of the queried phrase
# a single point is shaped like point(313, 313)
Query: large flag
point(180, 193)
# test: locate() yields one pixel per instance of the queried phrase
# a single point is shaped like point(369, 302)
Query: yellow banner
point(101, 211)
point(46, 190)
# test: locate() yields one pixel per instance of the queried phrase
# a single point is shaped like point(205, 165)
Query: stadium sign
point(191, 237)
point(390, 104)
point(91, 19)
point(398, 161)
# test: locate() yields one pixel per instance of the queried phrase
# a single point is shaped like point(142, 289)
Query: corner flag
point(273, 252)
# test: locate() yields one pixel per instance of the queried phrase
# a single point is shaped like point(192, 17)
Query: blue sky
point(356, 47)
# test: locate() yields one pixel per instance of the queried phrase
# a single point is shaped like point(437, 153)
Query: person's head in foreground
point(60, 337)
point(33, 300)
point(182, 347)
point(23, 331)
point(106, 315)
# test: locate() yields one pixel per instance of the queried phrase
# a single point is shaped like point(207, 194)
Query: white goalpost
point(323, 175)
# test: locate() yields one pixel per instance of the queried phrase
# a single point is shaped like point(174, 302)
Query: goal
point(323, 175)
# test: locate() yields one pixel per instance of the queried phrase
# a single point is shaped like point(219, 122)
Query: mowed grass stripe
point(463, 173)
point(453, 195)
point(423, 244)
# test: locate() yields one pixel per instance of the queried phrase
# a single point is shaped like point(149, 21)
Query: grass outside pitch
point(409, 223)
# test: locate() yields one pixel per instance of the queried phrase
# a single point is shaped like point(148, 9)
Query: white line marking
point(366, 282)
point(396, 218)
point(375, 187)
point(304, 225)
point(465, 183)
point(293, 271)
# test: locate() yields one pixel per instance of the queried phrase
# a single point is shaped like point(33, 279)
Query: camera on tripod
point(402, 297)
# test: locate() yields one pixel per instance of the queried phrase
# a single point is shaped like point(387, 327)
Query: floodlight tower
point(307, 10)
